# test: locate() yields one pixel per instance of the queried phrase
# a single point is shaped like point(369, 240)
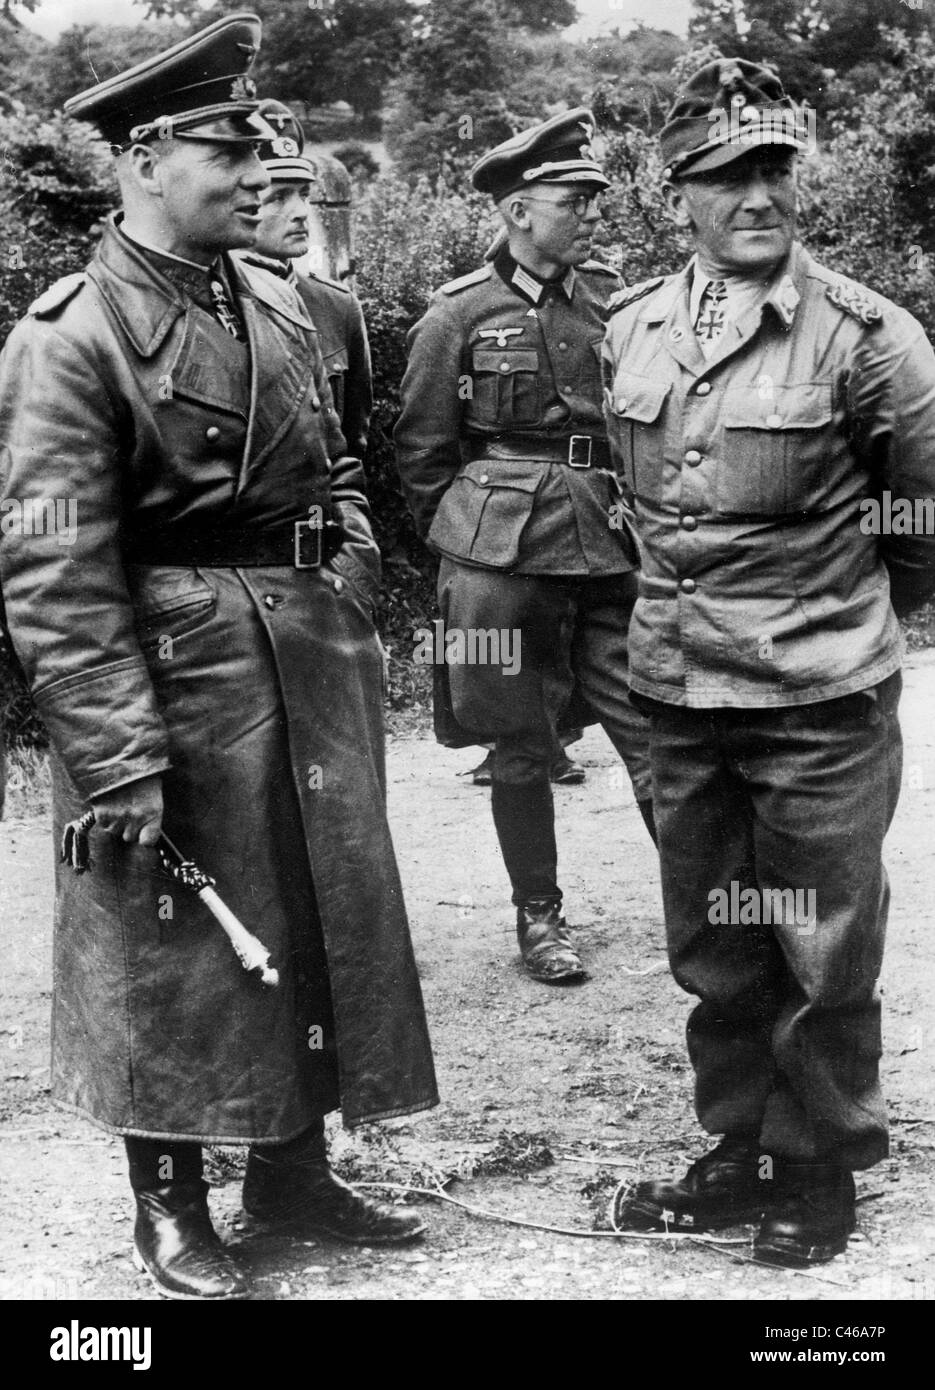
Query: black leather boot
point(304, 1196)
point(176, 1245)
point(810, 1218)
point(723, 1188)
point(545, 945)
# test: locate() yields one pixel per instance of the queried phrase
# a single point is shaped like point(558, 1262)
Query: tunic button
point(693, 457)
point(687, 586)
point(485, 477)
point(703, 388)
point(504, 366)
point(273, 600)
point(338, 585)
point(563, 347)
point(774, 421)
point(212, 433)
point(689, 523)
point(622, 404)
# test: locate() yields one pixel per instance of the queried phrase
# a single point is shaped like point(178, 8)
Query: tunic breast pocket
point(637, 430)
point(506, 387)
point(776, 449)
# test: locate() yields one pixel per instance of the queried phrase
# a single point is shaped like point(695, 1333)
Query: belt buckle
point(574, 452)
point(307, 540)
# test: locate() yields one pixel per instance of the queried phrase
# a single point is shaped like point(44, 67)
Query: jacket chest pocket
point(776, 450)
point(506, 387)
point(635, 423)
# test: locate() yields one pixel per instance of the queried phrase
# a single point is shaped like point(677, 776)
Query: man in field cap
point(503, 456)
point(205, 659)
point(756, 401)
point(283, 237)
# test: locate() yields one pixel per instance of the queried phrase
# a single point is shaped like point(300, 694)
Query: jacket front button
point(687, 586)
point(504, 366)
point(563, 347)
point(338, 584)
point(621, 403)
point(689, 523)
point(485, 477)
point(692, 457)
point(212, 433)
point(774, 421)
point(703, 388)
point(273, 600)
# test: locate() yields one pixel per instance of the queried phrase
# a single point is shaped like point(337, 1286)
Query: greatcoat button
point(504, 366)
point(563, 347)
point(693, 457)
point(703, 388)
point(622, 403)
point(338, 584)
point(212, 433)
point(687, 586)
point(689, 523)
point(273, 600)
point(485, 477)
point(774, 421)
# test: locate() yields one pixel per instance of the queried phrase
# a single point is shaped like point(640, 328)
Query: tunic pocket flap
point(505, 361)
point(521, 474)
point(638, 398)
point(770, 407)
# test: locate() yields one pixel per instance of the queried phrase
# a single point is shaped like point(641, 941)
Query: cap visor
point(719, 155)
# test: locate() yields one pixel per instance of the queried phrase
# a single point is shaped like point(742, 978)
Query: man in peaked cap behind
point(757, 403)
point(503, 456)
point(204, 657)
point(282, 237)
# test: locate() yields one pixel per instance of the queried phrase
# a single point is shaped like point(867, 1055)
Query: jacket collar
point(146, 304)
point(526, 283)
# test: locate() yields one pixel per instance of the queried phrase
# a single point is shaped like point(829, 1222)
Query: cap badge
point(243, 89)
point(284, 147)
point(502, 335)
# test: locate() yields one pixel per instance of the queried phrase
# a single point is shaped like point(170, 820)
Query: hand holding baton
point(252, 953)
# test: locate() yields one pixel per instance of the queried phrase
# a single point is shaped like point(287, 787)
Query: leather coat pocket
point(633, 407)
point(775, 450)
point(483, 514)
point(506, 387)
point(169, 601)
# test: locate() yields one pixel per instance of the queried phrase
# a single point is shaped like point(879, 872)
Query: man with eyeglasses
point(757, 404)
point(503, 456)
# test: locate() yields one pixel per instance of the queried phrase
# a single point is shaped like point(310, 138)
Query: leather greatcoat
point(255, 692)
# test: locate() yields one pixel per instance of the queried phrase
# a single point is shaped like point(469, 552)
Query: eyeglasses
point(579, 204)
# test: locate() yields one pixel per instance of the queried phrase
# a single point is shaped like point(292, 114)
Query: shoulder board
point(632, 293)
point(475, 277)
point(267, 263)
point(599, 268)
point(56, 295)
point(327, 280)
point(854, 300)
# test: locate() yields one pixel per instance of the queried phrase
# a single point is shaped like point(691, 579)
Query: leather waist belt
point(302, 544)
point(577, 450)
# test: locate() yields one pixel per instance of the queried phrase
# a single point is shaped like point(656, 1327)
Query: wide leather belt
point(302, 544)
point(576, 450)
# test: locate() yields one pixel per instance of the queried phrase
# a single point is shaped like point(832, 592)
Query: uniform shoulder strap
point(474, 277)
point(599, 268)
point(854, 299)
point(56, 296)
point(632, 293)
point(327, 280)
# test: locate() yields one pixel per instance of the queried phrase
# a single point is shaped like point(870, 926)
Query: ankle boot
point(177, 1246)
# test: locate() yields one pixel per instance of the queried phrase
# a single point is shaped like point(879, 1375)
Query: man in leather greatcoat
point(202, 649)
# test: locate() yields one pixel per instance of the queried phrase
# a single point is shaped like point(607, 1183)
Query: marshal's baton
point(252, 953)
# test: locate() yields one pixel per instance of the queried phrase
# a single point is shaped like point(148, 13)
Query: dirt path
point(550, 1097)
